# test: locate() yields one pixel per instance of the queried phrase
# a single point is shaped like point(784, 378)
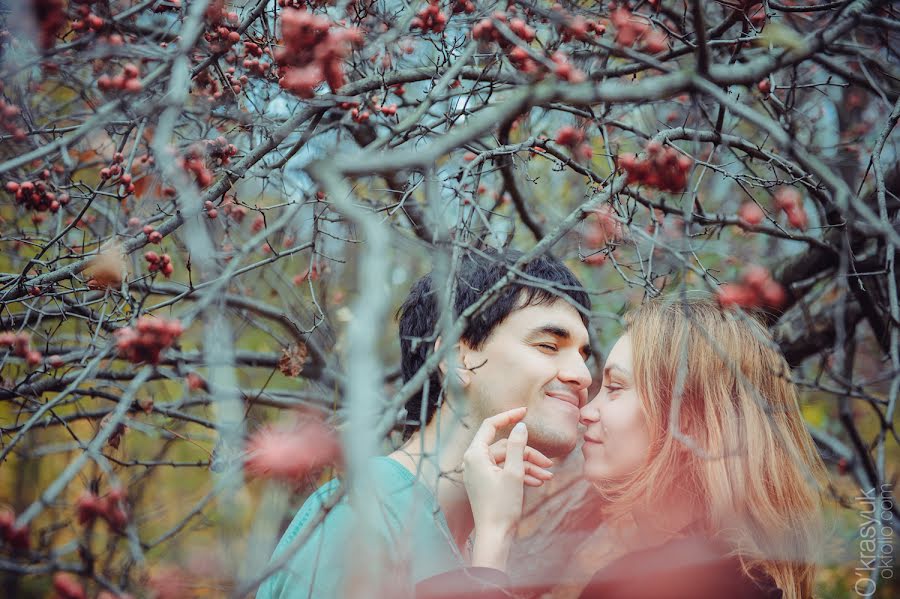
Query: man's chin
point(553, 446)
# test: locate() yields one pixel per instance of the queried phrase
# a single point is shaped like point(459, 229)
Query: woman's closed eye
point(547, 346)
point(612, 387)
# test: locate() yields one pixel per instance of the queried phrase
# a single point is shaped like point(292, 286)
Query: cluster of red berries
point(36, 195)
point(215, 13)
point(194, 163)
point(575, 140)
point(117, 170)
point(15, 536)
point(430, 18)
point(233, 210)
point(21, 346)
point(110, 508)
point(209, 84)
point(153, 236)
point(148, 339)
point(466, 6)
point(87, 20)
point(360, 116)
point(258, 223)
point(663, 168)
point(564, 69)
point(600, 232)
point(211, 211)
point(312, 52)
point(252, 53)
point(790, 200)
point(630, 29)
point(221, 34)
point(159, 263)
point(389, 110)
point(604, 228)
point(252, 49)
point(220, 150)
point(485, 31)
point(8, 115)
point(126, 81)
point(312, 274)
point(579, 28)
point(756, 289)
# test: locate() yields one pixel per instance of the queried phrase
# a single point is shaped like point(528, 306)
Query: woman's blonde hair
point(726, 430)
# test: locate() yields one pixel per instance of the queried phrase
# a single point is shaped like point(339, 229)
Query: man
point(528, 348)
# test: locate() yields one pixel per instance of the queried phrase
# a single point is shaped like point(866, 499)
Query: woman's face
point(616, 440)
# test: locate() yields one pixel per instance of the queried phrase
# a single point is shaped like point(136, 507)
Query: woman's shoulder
point(685, 568)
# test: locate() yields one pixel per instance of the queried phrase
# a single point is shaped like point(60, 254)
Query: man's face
point(534, 358)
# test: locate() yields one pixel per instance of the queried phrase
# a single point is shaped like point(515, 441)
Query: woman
point(697, 444)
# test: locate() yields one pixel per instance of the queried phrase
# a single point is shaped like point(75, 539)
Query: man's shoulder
point(398, 509)
point(391, 484)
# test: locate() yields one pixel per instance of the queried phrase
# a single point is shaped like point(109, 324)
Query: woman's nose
point(590, 413)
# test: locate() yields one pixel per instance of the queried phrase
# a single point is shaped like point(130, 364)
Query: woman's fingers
point(498, 452)
point(537, 472)
point(531, 481)
point(530, 468)
point(515, 450)
point(488, 429)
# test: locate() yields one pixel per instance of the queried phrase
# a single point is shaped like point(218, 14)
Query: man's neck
point(434, 454)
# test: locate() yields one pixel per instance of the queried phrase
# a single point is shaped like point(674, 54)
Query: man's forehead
point(557, 318)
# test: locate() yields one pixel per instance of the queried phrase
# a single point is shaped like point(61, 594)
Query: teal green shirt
point(414, 541)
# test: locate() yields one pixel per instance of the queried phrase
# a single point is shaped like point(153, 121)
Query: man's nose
point(575, 372)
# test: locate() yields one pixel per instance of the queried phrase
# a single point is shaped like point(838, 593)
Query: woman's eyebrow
point(615, 367)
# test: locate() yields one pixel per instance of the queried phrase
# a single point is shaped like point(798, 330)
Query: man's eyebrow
point(550, 329)
point(559, 332)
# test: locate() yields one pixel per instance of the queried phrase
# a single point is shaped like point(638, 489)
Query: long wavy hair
point(726, 429)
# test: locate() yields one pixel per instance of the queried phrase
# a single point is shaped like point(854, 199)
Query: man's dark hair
point(475, 274)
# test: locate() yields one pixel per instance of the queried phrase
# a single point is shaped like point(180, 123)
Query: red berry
point(67, 586)
point(33, 358)
point(751, 214)
point(756, 276)
point(733, 294)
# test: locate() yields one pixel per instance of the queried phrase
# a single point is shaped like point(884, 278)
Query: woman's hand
point(495, 475)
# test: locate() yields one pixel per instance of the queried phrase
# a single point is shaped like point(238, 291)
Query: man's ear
point(462, 372)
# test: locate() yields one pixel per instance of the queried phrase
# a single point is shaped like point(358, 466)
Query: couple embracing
point(694, 440)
